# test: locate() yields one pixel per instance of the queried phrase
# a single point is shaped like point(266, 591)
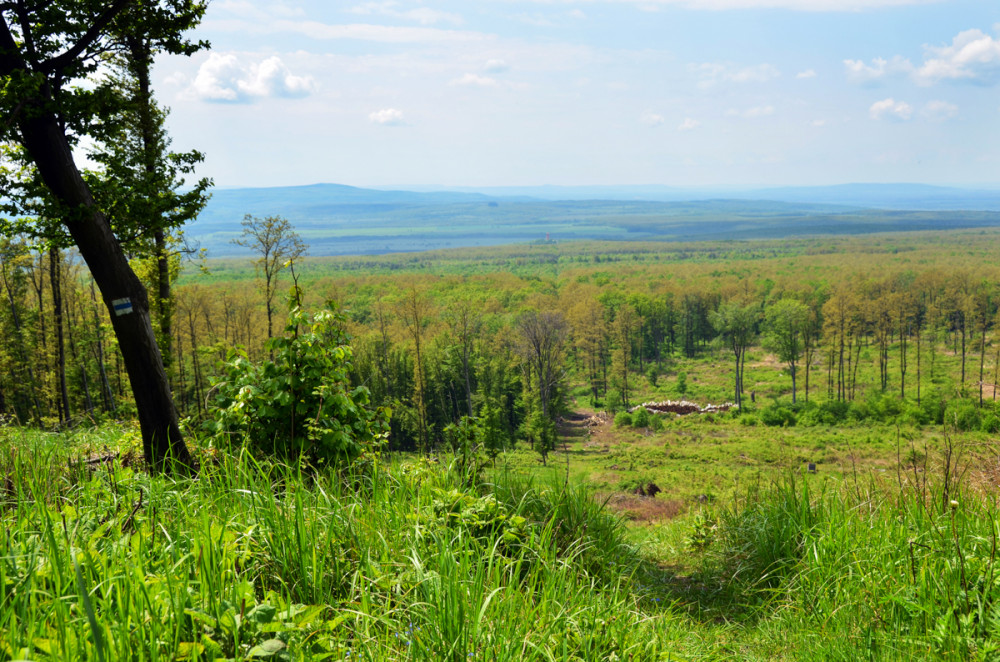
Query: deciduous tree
point(277, 243)
point(46, 50)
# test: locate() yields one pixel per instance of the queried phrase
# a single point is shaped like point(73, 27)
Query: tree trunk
point(123, 293)
point(34, 406)
point(57, 322)
point(982, 361)
point(79, 358)
point(107, 395)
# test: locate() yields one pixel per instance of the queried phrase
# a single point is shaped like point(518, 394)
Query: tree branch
point(25, 22)
point(10, 56)
point(61, 61)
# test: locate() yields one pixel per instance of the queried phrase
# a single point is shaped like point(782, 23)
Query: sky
point(685, 93)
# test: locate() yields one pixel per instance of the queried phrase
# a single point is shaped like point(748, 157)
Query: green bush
point(776, 415)
point(913, 414)
point(623, 419)
point(299, 403)
point(613, 400)
point(990, 423)
point(963, 415)
point(640, 418)
point(655, 422)
point(834, 412)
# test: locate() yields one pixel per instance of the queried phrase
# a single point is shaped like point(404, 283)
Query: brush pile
point(683, 407)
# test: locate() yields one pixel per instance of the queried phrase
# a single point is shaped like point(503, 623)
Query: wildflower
point(954, 504)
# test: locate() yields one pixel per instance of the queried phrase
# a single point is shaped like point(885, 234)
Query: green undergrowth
point(251, 560)
point(870, 569)
point(419, 560)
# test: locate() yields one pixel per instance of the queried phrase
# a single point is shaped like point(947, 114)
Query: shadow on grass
point(701, 594)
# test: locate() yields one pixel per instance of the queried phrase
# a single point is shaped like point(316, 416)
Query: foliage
point(623, 419)
point(704, 529)
point(300, 403)
point(652, 375)
point(776, 414)
point(640, 418)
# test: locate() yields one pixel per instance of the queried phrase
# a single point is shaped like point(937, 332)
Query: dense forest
point(508, 336)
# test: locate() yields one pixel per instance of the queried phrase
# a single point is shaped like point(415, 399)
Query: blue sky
point(575, 92)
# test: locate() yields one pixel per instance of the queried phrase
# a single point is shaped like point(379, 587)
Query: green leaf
point(269, 648)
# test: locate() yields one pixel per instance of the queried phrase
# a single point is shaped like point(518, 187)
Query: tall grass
point(253, 560)
point(881, 570)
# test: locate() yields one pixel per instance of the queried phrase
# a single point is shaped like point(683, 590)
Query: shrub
point(623, 419)
point(652, 375)
point(914, 415)
point(682, 386)
point(655, 422)
point(640, 418)
point(776, 415)
point(963, 415)
point(299, 403)
point(613, 400)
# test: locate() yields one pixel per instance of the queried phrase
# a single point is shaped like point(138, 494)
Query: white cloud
point(808, 73)
point(650, 118)
point(475, 79)
point(421, 15)
point(880, 68)
point(495, 66)
point(973, 56)
point(688, 124)
point(713, 72)
point(387, 117)
point(818, 123)
point(939, 111)
point(224, 78)
point(890, 109)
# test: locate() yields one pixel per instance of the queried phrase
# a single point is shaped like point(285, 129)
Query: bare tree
point(278, 245)
point(541, 347)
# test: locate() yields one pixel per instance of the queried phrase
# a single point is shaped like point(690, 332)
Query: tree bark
point(57, 322)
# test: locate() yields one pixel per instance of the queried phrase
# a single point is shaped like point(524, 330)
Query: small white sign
point(122, 306)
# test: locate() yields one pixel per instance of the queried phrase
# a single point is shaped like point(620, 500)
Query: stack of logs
point(682, 407)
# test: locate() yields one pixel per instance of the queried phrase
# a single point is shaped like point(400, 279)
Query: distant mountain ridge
point(878, 196)
point(337, 219)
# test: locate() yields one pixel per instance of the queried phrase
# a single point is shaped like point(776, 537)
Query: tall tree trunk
point(123, 293)
point(57, 322)
point(35, 405)
point(982, 361)
point(194, 361)
point(79, 358)
point(107, 395)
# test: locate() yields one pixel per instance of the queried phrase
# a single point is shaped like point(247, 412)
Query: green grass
point(252, 560)
point(411, 561)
